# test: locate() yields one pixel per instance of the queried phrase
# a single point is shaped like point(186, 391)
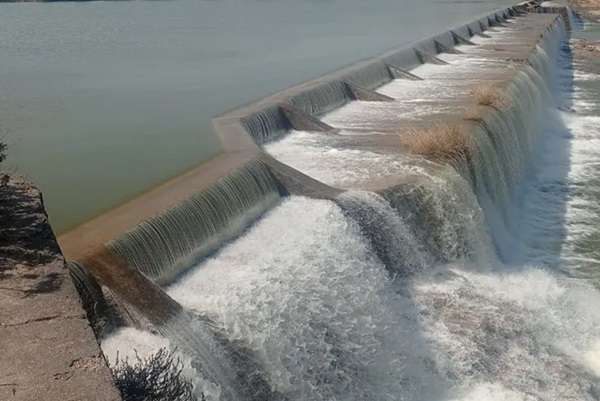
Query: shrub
point(155, 378)
point(490, 96)
point(445, 143)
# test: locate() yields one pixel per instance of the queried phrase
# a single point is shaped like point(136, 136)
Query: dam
point(406, 228)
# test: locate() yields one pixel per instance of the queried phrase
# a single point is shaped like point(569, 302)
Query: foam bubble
point(491, 392)
point(128, 342)
point(592, 358)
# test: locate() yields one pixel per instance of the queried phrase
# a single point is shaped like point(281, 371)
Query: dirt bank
point(49, 351)
point(586, 49)
point(589, 9)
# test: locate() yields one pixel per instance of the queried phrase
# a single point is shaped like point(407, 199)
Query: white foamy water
point(133, 346)
point(316, 295)
point(319, 311)
point(323, 157)
point(592, 358)
point(129, 343)
point(519, 332)
point(524, 328)
point(562, 204)
point(315, 305)
point(490, 392)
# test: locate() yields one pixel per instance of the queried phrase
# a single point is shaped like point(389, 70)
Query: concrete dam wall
point(244, 130)
point(420, 148)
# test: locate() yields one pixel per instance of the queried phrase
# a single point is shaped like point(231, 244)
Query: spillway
point(203, 222)
point(415, 227)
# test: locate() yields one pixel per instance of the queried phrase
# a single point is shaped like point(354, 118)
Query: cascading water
point(390, 238)
point(519, 332)
point(504, 144)
point(166, 245)
point(399, 295)
point(443, 214)
point(314, 306)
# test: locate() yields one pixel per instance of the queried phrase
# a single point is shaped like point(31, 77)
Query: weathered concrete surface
point(48, 349)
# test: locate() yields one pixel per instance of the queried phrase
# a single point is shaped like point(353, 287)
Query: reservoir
point(100, 101)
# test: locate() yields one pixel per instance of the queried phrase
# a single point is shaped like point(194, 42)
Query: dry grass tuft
point(490, 96)
point(445, 143)
point(476, 114)
point(473, 114)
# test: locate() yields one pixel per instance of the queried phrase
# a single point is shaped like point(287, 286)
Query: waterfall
point(372, 76)
point(267, 125)
point(226, 368)
point(315, 306)
point(166, 245)
point(390, 238)
point(412, 285)
point(104, 317)
point(444, 216)
point(504, 140)
point(322, 98)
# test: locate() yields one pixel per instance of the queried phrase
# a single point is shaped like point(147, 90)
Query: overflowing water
point(476, 281)
point(168, 244)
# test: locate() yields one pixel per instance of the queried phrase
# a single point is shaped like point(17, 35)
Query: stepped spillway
point(372, 234)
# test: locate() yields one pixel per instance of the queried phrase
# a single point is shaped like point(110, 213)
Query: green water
point(100, 101)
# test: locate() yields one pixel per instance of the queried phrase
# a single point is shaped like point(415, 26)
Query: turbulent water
point(464, 287)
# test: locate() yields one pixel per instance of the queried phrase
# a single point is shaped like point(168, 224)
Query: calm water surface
point(102, 100)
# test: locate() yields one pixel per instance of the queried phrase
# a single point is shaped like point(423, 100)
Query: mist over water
point(494, 299)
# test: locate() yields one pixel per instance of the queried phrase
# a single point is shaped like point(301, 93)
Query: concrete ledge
point(49, 351)
point(89, 237)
